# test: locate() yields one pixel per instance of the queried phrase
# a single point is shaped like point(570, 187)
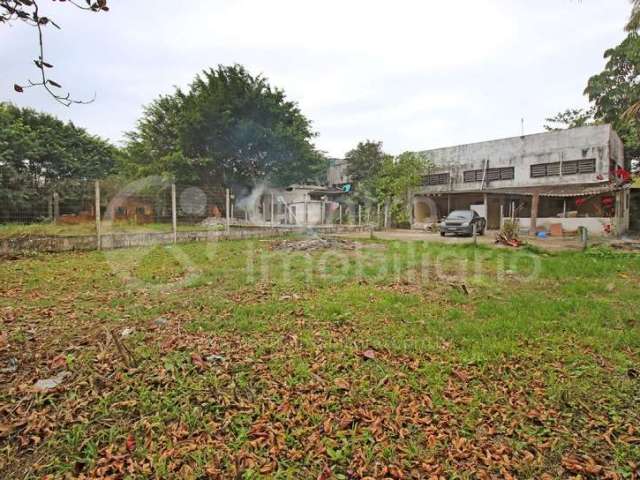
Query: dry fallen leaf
point(342, 384)
point(369, 354)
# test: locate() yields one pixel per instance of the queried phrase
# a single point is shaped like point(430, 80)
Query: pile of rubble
point(313, 244)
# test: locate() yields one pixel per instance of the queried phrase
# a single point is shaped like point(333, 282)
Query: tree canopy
point(229, 127)
point(616, 89)
point(570, 118)
point(383, 178)
point(38, 152)
point(365, 160)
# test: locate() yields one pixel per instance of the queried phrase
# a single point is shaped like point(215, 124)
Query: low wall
point(22, 245)
point(595, 225)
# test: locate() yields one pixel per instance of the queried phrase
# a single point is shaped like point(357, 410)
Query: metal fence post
point(174, 215)
point(227, 209)
point(98, 229)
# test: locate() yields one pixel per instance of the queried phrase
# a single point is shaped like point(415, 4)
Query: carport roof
point(553, 190)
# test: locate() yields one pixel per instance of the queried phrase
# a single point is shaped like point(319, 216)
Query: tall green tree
point(229, 127)
point(39, 153)
point(616, 89)
point(365, 161)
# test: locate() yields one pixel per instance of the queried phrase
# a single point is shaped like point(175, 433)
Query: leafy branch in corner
point(28, 12)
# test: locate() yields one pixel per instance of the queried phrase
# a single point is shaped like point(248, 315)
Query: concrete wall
point(599, 142)
point(18, 246)
point(595, 226)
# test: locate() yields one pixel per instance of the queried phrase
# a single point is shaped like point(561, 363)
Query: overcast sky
point(415, 74)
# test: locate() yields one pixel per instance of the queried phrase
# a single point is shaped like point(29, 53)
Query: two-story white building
point(570, 178)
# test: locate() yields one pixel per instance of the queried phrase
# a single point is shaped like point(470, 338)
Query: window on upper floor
point(571, 167)
point(436, 179)
point(492, 174)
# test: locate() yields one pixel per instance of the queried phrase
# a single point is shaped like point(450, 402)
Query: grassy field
point(393, 360)
point(14, 230)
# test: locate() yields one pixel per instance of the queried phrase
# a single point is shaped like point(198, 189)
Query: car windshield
point(461, 215)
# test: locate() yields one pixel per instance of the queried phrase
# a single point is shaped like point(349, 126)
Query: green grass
point(13, 230)
point(532, 372)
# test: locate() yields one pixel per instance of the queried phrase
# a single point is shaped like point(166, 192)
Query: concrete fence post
point(227, 209)
point(56, 206)
point(306, 211)
point(272, 211)
point(98, 220)
point(379, 216)
point(174, 214)
point(386, 215)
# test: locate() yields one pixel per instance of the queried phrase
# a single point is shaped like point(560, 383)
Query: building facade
point(562, 179)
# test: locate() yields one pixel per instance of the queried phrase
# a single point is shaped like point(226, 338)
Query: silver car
point(462, 222)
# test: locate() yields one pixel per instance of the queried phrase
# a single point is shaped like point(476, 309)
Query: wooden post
point(379, 216)
point(535, 202)
point(369, 215)
point(56, 206)
point(98, 232)
point(340, 214)
point(174, 214)
point(227, 209)
point(359, 214)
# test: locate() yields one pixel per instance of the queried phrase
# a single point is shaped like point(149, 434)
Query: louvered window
point(493, 174)
point(437, 179)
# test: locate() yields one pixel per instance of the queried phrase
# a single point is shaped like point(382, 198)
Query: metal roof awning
point(558, 191)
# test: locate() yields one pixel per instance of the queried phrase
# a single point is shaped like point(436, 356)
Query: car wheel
point(442, 234)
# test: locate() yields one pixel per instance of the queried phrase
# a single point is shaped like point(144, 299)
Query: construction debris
point(314, 244)
point(508, 235)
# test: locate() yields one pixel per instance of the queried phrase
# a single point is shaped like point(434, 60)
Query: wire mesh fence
point(154, 204)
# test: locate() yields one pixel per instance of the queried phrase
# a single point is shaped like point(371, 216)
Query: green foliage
point(383, 178)
point(229, 127)
point(634, 19)
point(365, 161)
point(38, 152)
point(616, 89)
point(570, 118)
